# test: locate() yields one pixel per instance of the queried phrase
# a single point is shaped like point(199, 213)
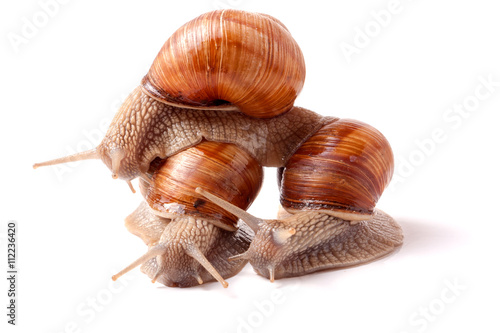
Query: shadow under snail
point(215, 107)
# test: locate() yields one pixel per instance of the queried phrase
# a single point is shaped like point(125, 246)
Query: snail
point(329, 189)
point(222, 61)
point(189, 238)
point(231, 77)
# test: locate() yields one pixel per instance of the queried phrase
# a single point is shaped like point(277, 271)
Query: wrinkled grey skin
point(309, 241)
point(183, 238)
point(144, 129)
point(321, 241)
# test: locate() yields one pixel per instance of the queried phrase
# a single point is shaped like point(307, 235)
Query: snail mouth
point(159, 250)
point(116, 156)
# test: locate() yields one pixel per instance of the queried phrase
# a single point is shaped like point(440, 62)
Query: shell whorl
point(343, 168)
point(223, 168)
point(248, 60)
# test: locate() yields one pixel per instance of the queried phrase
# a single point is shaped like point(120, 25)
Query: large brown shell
point(221, 168)
point(249, 60)
point(343, 168)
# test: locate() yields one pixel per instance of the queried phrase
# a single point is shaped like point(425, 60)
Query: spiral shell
point(249, 60)
point(223, 168)
point(343, 168)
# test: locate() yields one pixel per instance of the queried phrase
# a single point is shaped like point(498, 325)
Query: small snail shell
point(221, 168)
point(190, 239)
point(343, 168)
point(229, 56)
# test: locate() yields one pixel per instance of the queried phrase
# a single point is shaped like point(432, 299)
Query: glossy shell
point(249, 60)
point(344, 167)
point(223, 169)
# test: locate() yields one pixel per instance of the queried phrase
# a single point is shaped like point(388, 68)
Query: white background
point(65, 82)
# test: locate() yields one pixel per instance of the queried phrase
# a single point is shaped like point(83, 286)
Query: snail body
point(184, 251)
point(227, 82)
point(319, 241)
point(310, 241)
point(167, 130)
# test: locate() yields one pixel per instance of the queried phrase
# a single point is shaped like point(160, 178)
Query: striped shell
point(221, 168)
point(343, 168)
point(248, 60)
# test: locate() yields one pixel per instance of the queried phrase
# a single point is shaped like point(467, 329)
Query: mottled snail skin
point(320, 241)
point(190, 239)
point(310, 241)
point(144, 129)
point(181, 241)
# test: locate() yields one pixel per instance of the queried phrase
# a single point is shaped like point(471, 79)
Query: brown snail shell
point(249, 60)
point(223, 168)
point(344, 168)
